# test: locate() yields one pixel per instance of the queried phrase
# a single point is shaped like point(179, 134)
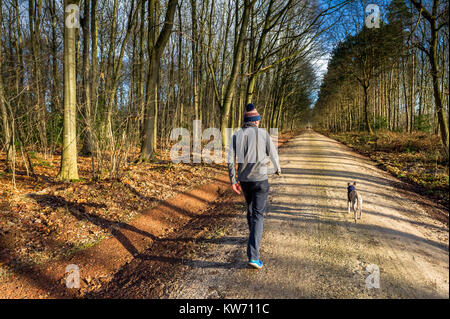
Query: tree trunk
point(366, 111)
point(180, 77)
point(69, 169)
point(140, 71)
point(147, 150)
point(34, 21)
point(412, 92)
point(195, 58)
point(443, 124)
point(228, 97)
point(432, 19)
point(7, 130)
point(87, 141)
point(94, 43)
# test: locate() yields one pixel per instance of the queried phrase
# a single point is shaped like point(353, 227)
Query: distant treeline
point(394, 77)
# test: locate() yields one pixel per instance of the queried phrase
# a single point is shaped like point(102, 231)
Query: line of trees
point(135, 69)
point(394, 77)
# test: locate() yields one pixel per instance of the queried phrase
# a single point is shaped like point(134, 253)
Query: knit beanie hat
point(251, 114)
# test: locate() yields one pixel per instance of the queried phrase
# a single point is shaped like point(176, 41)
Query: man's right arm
point(230, 160)
point(231, 166)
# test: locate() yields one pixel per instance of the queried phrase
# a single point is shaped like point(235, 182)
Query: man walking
point(250, 147)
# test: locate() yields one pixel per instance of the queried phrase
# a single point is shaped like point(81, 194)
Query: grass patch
point(82, 246)
point(4, 273)
point(40, 162)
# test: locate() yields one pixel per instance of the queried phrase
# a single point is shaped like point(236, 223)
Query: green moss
point(79, 180)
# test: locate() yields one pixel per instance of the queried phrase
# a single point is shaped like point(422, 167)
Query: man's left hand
point(236, 188)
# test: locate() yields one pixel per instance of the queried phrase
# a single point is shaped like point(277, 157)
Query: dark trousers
point(255, 194)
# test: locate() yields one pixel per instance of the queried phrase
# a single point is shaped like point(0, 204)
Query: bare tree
point(156, 52)
point(69, 167)
point(436, 22)
point(6, 119)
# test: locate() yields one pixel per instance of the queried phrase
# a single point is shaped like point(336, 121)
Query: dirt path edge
point(97, 264)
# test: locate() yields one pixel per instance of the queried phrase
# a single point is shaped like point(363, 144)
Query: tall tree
point(436, 20)
point(229, 91)
point(257, 58)
point(195, 58)
point(88, 138)
point(69, 168)
point(360, 56)
point(34, 15)
point(147, 150)
point(6, 121)
point(94, 60)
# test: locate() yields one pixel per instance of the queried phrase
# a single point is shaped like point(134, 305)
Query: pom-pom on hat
point(251, 114)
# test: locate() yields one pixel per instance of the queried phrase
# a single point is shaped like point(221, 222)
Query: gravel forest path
point(312, 248)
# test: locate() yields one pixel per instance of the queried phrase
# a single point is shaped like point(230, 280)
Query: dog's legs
point(360, 208)
point(355, 216)
point(348, 206)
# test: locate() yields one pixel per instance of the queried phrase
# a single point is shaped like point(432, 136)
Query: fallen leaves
point(43, 218)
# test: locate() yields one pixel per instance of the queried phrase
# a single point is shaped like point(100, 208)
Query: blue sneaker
point(255, 263)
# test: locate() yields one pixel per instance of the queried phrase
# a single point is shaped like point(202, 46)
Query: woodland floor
point(46, 224)
point(164, 236)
